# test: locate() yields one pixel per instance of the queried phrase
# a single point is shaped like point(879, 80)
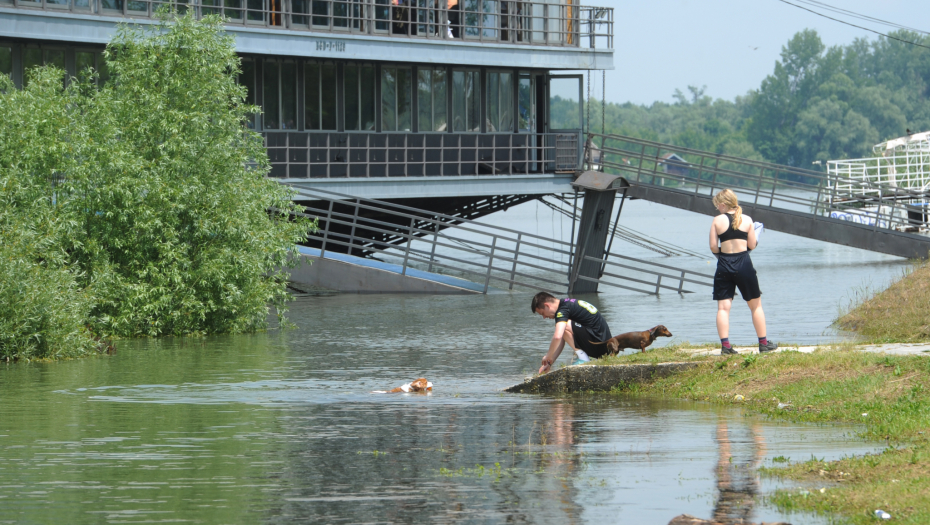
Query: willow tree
point(181, 230)
point(149, 192)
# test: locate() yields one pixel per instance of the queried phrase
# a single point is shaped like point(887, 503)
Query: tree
point(143, 204)
point(43, 309)
point(181, 230)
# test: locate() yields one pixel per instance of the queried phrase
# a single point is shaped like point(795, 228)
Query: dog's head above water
point(418, 386)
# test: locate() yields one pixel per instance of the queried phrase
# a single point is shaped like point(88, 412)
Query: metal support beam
point(592, 239)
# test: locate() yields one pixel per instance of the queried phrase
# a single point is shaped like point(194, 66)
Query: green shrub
point(43, 309)
point(141, 207)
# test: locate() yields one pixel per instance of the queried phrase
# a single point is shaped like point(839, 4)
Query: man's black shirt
point(585, 314)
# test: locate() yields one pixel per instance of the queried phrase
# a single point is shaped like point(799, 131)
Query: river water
point(282, 427)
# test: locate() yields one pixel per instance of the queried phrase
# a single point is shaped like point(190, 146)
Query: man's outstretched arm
point(555, 348)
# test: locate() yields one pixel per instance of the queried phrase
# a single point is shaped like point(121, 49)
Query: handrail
point(880, 205)
point(412, 235)
point(559, 23)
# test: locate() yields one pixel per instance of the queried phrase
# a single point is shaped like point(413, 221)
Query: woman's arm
point(752, 241)
point(714, 239)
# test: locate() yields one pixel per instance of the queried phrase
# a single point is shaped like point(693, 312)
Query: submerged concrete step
point(596, 378)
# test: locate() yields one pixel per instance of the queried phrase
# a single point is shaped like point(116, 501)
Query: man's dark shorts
point(583, 342)
point(735, 270)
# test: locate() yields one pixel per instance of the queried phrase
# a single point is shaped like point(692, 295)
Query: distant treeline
point(818, 104)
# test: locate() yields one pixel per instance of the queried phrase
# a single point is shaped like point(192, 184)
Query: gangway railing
point(868, 203)
point(491, 255)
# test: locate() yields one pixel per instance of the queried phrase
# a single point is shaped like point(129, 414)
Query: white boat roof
point(902, 141)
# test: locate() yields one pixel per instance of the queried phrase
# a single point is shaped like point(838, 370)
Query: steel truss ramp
point(790, 200)
point(490, 255)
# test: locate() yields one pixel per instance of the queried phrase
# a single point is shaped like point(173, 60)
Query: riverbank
point(883, 392)
point(898, 314)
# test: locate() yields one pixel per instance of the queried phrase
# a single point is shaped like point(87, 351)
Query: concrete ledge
point(598, 378)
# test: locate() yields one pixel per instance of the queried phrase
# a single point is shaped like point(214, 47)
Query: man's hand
point(546, 364)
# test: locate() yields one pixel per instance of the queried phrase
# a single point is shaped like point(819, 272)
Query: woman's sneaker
point(767, 347)
point(728, 350)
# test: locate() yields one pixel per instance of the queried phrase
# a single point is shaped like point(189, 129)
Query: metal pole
point(329, 216)
point(579, 260)
point(407, 251)
point(612, 235)
point(354, 222)
point(571, 246)
point(681, 282)
point(516, 253)
point(487, 278)
point(432, 253)
point(658, 284)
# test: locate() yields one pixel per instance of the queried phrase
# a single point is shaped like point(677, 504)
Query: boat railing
point(561, 23)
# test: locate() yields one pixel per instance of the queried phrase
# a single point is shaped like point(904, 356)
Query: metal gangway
point(491, 255)
point(866, 213)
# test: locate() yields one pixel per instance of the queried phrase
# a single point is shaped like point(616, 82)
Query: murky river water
point(281, 427)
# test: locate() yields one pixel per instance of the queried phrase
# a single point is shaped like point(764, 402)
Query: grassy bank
point(887, 395)
point(899, 314)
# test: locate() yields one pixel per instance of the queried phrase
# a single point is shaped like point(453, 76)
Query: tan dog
point(419, 386)
point(639, 340)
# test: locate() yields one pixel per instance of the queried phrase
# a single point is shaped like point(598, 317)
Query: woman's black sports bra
point(732, 233)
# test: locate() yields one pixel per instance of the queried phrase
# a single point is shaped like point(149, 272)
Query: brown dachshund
point(635, 339)
point(419, 386)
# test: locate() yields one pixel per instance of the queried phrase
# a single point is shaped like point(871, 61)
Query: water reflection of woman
point(737, 485)
point(731, 237)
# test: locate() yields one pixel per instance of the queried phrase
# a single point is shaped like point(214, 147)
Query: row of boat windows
point(447, 99)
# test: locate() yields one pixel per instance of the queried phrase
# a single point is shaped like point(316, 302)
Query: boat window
point(320, 96)
point(360, 97)
point(279, 91)
point(527, 100)
point(500, 101)
point(6, 61)
point(431, 99)
point(465, 96)
point(247, 79)
point(396, 83)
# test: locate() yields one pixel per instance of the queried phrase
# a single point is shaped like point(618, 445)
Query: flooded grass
point(898, 314)
point(886, 394)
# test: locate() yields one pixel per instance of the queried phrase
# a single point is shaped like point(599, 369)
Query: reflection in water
point(737, 481)
point(282, 427)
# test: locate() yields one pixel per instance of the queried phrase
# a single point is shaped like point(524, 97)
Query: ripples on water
point(281, 427)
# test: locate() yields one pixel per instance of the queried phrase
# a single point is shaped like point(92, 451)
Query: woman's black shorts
point(734, 270)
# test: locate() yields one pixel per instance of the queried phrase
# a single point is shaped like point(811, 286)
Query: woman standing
point(731, 237)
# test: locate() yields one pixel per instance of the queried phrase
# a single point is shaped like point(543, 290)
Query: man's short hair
point(539, 299)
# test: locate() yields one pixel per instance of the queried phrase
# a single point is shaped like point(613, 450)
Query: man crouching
point(577, 323)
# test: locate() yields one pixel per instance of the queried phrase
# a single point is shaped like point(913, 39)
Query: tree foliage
point(818, 104)
point(149, 192)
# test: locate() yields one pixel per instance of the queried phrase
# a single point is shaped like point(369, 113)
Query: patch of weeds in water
point(375, 453)
point(496, 472)
point(780, 459)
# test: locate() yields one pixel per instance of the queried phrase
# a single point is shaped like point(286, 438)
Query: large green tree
point(147, 197)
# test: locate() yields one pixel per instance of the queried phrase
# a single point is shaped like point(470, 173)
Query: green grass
point(898, 314)
point(888, 395)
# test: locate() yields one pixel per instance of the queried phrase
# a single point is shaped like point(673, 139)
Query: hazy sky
point(728, 45)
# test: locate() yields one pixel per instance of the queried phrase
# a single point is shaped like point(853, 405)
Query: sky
point(730, 46)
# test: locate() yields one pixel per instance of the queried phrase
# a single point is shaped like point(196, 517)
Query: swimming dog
point(639, 340)
point(420, 386)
